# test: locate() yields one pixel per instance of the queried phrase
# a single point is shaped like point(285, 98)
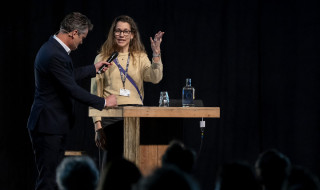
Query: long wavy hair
point(110, 45)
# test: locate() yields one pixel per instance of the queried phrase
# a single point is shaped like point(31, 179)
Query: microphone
point(109, 60)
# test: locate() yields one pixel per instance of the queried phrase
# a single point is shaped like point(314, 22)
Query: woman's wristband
point(156, 55)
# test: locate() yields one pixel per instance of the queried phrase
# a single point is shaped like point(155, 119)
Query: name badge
point(124, 92)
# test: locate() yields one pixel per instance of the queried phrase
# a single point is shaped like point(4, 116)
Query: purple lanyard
point(124, 75)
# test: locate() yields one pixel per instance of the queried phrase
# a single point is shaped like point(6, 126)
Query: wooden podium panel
point(148, 157)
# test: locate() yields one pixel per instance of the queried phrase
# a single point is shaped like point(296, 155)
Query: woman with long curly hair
point(124, 78)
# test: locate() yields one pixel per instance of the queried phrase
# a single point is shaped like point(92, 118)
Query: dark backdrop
point(257, 60)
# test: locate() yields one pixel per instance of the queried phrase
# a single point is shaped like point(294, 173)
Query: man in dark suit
point(56, 90)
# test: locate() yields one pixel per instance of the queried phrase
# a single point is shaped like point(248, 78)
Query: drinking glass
point(164, 99)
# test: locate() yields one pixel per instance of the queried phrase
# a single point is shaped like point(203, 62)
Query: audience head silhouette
point(167, 177)
point(119, 174)
point(236, 175)
point(75, 173)
point(302, 179)
point(272, 169)
point(180, 156)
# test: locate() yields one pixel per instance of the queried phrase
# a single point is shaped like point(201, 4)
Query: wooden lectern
point(148, 158)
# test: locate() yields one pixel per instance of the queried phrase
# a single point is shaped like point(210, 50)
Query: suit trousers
point(49, 152)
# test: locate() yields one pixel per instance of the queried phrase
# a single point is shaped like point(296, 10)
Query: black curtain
point(257, 60)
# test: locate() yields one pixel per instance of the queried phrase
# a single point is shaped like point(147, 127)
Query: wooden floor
point(74, 153)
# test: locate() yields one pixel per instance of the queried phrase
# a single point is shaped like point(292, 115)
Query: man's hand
point(111, 101)
point(100, 64)
point(100, 139)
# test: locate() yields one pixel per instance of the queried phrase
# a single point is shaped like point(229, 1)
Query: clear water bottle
point(188, 94)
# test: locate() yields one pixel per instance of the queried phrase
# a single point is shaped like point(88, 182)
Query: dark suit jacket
point(56, 89)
